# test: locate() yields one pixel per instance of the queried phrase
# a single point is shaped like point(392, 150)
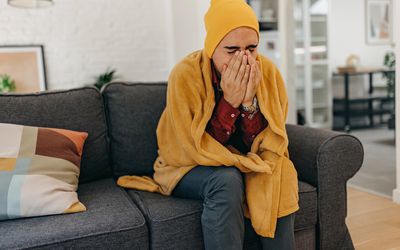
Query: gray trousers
point(222, 191)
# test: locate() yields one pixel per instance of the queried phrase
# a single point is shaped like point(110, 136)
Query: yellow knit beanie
point(224, 16)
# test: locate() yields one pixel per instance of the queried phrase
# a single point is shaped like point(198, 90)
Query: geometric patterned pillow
point(39, 171)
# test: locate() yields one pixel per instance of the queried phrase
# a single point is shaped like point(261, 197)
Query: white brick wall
point(82, 38)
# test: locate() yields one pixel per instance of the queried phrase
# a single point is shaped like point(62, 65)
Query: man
point(225, 122)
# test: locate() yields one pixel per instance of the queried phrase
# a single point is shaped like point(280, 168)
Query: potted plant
point(104, 78)
point(6, 84)
point(390, 62)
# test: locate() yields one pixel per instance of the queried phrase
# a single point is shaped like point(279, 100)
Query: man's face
point(239, 39)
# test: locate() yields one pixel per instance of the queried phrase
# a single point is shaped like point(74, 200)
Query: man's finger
point(258, 66)
point(245, 79)
point(236, 65)
point(252, 76)
point(223, 72)
point(259, 74)
point(242, 69)
point(231, 63)
point(224, 69)
point(223, 76)
point(251, 60)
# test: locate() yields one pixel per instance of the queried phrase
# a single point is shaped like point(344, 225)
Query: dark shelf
point(357, 113)
point(360, 106)
point(354, 126)
point(364, 71)
point(265, 26)
point(368, 106)
point(364, 99)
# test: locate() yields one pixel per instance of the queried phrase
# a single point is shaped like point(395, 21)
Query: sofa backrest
point(133, 111)
point(79, 109)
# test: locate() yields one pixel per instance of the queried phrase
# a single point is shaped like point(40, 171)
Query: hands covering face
point(240, 79)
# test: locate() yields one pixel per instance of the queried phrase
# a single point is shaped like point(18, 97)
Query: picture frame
point(25, 65)
point(378, 22)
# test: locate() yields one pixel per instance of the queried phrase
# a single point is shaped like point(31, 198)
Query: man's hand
point(253, 82)
point(234, 79)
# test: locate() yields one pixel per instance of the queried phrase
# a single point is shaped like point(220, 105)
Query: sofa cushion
point(175, 223)
point(306, 239)
point(133, 111)
point(112, 221)
point(39, 171)
point(76, 109)
point(306, 216)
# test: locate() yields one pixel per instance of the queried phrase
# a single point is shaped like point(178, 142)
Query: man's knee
point(227, 182)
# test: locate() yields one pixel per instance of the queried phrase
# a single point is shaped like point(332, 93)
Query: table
point(369, 99)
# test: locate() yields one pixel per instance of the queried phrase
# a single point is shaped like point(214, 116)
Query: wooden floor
point(373, 221)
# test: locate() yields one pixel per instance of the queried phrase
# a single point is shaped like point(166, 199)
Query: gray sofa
point(121, 121)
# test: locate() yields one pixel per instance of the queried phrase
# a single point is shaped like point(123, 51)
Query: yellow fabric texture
point(270, 179)
point(75, 208)
point(224, 16)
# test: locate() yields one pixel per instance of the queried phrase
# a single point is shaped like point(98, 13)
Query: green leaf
point(6, 84)
point(104, 78)
point(389, 61)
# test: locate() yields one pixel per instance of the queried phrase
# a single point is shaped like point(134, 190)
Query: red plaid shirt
point(226, 119)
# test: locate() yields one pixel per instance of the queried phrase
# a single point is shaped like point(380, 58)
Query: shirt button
point(253, 136)
point(232, 115)
point(243, 115)
point(228, 133)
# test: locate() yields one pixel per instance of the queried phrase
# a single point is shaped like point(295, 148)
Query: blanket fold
point(270, 177)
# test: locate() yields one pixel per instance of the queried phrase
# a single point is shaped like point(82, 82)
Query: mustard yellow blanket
point(270, 179)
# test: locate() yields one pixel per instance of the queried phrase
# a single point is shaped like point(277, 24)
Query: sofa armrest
point(327, 160)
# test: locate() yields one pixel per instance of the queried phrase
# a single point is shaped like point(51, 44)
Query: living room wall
point(347, 35)
point(187, 26)
point(82, 39)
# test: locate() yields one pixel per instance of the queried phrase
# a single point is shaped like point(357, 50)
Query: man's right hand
point(234, 78)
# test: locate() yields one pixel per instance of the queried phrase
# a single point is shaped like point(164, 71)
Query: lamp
point(30, 3)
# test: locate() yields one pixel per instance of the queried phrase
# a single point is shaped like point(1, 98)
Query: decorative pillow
point(39, 171)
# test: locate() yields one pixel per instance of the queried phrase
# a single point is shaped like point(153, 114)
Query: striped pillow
point(39, 171)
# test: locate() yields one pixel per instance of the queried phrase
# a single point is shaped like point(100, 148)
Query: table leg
point(370, 107)
point(347, 126)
